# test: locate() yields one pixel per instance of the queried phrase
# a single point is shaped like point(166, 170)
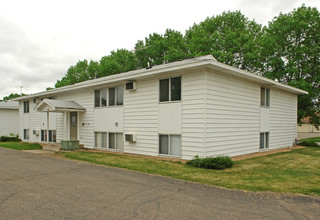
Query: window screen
point(175, 145)
point(96, 98)
point(103, 97)
point(112, 95)
point(175, 88)
point(120, 95)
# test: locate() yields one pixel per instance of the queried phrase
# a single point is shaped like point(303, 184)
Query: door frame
point(78, 125)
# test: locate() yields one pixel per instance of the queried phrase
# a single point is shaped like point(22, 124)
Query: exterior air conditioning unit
point(35, 100)
point(131, 137)
point(35, 132)
point(131, 86)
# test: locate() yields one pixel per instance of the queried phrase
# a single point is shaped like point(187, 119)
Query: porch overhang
point(51, 105)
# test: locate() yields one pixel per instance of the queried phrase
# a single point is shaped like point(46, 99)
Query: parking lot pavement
point(34, 186)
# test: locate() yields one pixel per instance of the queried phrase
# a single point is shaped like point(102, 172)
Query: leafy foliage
point(217, 163)
point(291, 53)
point(230, 37)
point(9, 139)
point(11, 96)
point(287, 50)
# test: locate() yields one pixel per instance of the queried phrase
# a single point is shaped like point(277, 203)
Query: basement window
point(109, 140)
point(52, 136)
point(170, 89)
point(265, 97)
point(170, 145)
point(26, 134)
point(264, 140)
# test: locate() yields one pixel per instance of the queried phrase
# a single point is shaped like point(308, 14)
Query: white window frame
point(26, 106)
point(26, 134)
point(45, 139)
point(108, 146)
point(169, 145)
point(266, 140)
point(266, 98)
point(170, 95)
point(107, 96)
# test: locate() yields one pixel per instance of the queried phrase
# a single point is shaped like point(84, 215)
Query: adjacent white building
point(182, 109)
point(9, 118)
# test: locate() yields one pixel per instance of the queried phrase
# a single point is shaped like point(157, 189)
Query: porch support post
point(47, 126)
point(65, 126)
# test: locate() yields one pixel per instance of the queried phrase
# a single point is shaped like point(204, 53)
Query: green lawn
point(296, 171)
point(20, 145)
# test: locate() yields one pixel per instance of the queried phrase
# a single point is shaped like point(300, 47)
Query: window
point(112, 96)
point(52, 136)
point(109, 140)
point(170, 144)
point(26, 107)
point(170, 89)
point(264, 140)
point(108, 96)
point(265, 97)
point(103, 97)
point(26, 134)
point(96, 98)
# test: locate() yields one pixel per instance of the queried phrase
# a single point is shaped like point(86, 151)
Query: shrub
point(9, 139)
point(217, 163)
point(308, 143)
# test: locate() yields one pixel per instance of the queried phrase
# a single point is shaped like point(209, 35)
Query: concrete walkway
point(34, 186)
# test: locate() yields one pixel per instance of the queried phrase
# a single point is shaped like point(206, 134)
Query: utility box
point(70, 145)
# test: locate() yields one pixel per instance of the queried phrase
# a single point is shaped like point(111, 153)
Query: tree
point(158, 49)
point(11, 96)
point(230, 37)
point(75, 74)
point(118, 61)
point(291, 52)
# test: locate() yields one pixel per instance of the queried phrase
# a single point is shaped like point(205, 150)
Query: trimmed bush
point(217, 163)
point(308, 143)
point(9, 139)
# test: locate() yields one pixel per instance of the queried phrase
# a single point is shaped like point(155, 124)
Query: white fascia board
point(206, 61)
point(254, 77)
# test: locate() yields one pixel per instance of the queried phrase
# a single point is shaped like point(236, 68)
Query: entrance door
point(73, 126)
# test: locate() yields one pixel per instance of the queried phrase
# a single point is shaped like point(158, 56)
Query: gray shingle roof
point(9, 105)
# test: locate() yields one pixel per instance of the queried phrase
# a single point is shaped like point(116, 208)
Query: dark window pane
point(50, 136)
point(96, 98)
point(120, 95)
point(164, 90)
point(261, 140)
point(103, 97)
point(267, 140)
point(112, 95)
point(163, 144)
point(267, 97)
point(112, 143)
point(175, 88)
point(54, 136)
point(263, 97)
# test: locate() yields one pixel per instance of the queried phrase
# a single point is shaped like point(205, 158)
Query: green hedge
point(9, 139)
point(217, 163)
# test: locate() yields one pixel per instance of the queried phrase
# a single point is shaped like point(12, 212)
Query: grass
point(20, 145)
point(296, 171)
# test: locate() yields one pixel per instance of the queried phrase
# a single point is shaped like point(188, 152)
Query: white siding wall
point(193, 105)
point(233, 116)
point(283, 118)
point(141, 116)
point(9, 121)
point(85, 98)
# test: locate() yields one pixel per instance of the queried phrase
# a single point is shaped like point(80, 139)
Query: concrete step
point(51, 147)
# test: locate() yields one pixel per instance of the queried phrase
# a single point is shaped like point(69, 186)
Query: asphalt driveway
point(40, 187)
